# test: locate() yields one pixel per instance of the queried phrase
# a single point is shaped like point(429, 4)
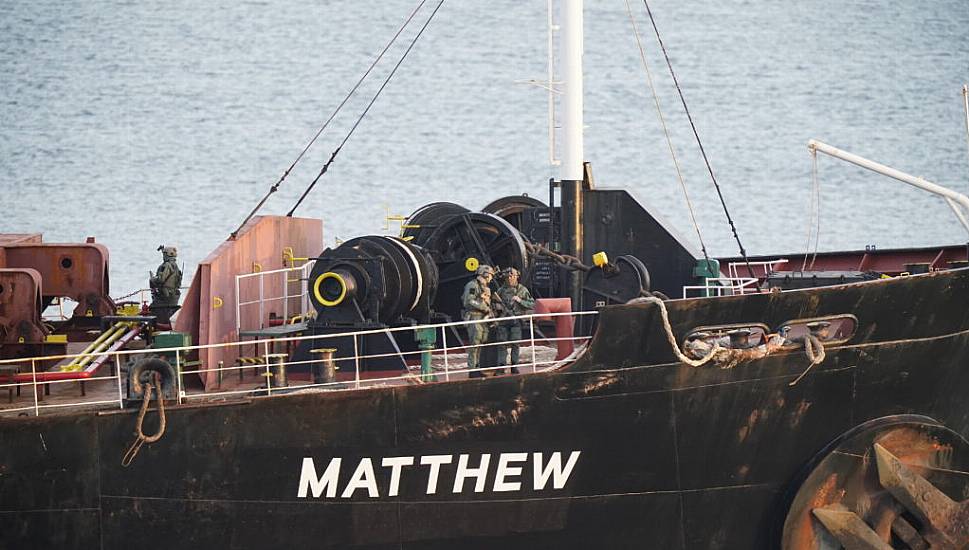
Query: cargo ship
point(311, 397)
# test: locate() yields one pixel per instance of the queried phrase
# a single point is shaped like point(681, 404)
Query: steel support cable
point(811, 210)
point(367, 109)
point(965, 99)
point(333, 115)
point(814, 221)
point(703, 153)
point(666, 132)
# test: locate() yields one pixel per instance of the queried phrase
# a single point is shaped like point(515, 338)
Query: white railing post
point(238, 310)
point(178, 374)
point(265, 358)
point(285, 296)
point(531, 330)
point(447, 375)
point(33, 372)
point(262, 309)
point(356, 362)
point(117, 370)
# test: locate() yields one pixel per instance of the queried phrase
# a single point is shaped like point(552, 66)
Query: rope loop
point(814, 350)
point(140, 437)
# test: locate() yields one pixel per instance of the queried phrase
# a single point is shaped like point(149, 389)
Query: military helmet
point(484, 269)
point(168, 251)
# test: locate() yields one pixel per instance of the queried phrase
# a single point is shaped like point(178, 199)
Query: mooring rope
point(140, 437)
point(814, 350)
point(666, 132)
point(336, 111)
point(703, 153)
point(367, 110)
point(671, 338)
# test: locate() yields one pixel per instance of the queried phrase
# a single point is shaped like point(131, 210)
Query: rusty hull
point(673, 457)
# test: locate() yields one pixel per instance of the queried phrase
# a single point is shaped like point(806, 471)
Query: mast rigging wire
point(965, 99)
point(815, 211)
point(666, 132)
point(367, 109)
point(335, 112)
point(703, 153)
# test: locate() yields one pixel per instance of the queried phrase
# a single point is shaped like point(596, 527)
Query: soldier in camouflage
point(476, 301)
point(515, 300)
point(165, 285)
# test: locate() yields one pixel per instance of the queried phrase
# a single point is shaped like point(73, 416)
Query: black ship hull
point(624, 448)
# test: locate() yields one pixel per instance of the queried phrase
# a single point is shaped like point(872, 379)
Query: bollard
point(324, 371)
point(278, 366)
point(426, 342)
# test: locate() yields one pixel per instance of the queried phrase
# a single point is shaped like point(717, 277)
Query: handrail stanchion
point(285, 275)
point(356, 362)
point(178, 374)
point(265, 358)
point(238, 311)
point(531, 326)
point(117, 370)
point(262, 307)
point(33, 372)
point(447, 375)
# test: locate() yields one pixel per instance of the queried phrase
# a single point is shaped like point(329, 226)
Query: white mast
point(571, 55)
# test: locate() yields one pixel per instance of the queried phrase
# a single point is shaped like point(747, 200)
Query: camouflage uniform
point(511, 331)
point(477, 305)
point(167, 280)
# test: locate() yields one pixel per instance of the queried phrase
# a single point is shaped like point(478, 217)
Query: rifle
point(503, 308)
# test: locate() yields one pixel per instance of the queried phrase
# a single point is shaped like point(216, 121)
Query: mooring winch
point(373, 280)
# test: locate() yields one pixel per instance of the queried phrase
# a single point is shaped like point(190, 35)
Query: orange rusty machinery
point(32, 275)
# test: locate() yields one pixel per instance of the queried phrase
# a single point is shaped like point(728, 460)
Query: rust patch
point(915, 449)
point(589, 387)
point(471, 419)
point(799, 413)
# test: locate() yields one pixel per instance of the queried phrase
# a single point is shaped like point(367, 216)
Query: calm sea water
point(144, 123)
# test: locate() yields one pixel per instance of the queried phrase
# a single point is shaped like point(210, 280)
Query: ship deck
point(108, 391)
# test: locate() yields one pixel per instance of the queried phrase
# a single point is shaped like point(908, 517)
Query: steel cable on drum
point(367, 109)
point(333, 115)
point(666, 132)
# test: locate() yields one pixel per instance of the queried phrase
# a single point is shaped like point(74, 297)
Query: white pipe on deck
point(956, 200)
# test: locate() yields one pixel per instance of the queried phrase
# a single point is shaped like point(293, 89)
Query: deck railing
point(448, 362)
point(286, 275)
point(739, 269)
point(721, 286)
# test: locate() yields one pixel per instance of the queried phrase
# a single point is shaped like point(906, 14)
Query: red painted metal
point(78, 271)
point(564, 324)
point(891, 262)
point(209, 310)
point(20, 307)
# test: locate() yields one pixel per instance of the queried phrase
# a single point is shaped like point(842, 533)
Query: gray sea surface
point(142, 123)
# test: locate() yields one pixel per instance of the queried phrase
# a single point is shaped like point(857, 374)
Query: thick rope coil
point(672, 339)
point(814, 350)
point(140, 437)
